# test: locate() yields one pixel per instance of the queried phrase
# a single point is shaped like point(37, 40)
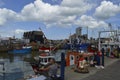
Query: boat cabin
point(44, 59)
point(72, 57)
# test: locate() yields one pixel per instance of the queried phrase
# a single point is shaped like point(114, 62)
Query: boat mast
point(43, 35)
point(70, 39)
point(118, 34)
point(87, 32)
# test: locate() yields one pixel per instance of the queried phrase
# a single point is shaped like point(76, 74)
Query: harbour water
point(15, 66)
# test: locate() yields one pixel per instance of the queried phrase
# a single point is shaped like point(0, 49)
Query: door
point(72, 59)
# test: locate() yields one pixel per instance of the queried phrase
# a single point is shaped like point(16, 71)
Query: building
point(78, 31)
point(36, 36)
point(78, 37)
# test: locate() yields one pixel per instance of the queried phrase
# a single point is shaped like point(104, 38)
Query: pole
point(70, 41)
point(99, 42)
point(87, 32)
point(62, 66)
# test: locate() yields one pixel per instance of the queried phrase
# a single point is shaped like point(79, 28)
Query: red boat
point(47, 49)
point(42, 62)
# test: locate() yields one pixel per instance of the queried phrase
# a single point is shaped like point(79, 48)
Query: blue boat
point(21, 51)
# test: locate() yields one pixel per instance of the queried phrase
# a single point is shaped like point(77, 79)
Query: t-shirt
point(53, 70)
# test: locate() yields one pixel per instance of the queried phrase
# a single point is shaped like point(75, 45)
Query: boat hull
point(21, 51)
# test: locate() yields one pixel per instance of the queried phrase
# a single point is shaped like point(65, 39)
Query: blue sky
point(57, 18)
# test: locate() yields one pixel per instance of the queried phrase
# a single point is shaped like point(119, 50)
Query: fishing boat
point(46, 49)
point(44, 58)
point(42, 61)
point(22, 50)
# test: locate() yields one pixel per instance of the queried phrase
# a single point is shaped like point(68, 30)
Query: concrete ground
point(112, 72)
point(71, 75)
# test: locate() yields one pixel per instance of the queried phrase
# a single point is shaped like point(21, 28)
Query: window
point(41, 60)
point(45, 59)
point(71, 57)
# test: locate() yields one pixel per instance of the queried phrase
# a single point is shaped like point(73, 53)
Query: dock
point(71, 75)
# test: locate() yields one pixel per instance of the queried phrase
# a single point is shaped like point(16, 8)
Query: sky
point(58, 18)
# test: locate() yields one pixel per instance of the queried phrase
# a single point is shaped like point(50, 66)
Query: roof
point(44, 55)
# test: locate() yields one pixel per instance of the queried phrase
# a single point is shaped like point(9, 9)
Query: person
point(51, 69)
point(81, 61)
point(81, 65)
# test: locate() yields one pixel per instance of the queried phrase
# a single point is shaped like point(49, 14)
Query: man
point(51, 69)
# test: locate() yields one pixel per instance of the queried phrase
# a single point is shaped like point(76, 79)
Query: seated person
point(51, 69)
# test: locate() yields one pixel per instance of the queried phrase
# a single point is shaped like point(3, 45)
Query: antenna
point(87, 32)
point(70, 37)
point(110, 27)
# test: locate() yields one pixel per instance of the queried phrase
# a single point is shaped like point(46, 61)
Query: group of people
point(112, 51)
point(93, 61)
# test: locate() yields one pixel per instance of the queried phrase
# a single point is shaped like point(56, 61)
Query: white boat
point(44, 58)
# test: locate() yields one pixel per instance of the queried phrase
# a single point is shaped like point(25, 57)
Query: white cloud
point(75, 7)
point(62, 15)
point(39, 11)
point(106, 10)
point(88, 21)
point(8, 15)
point(19, 31)
point(55, 14)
